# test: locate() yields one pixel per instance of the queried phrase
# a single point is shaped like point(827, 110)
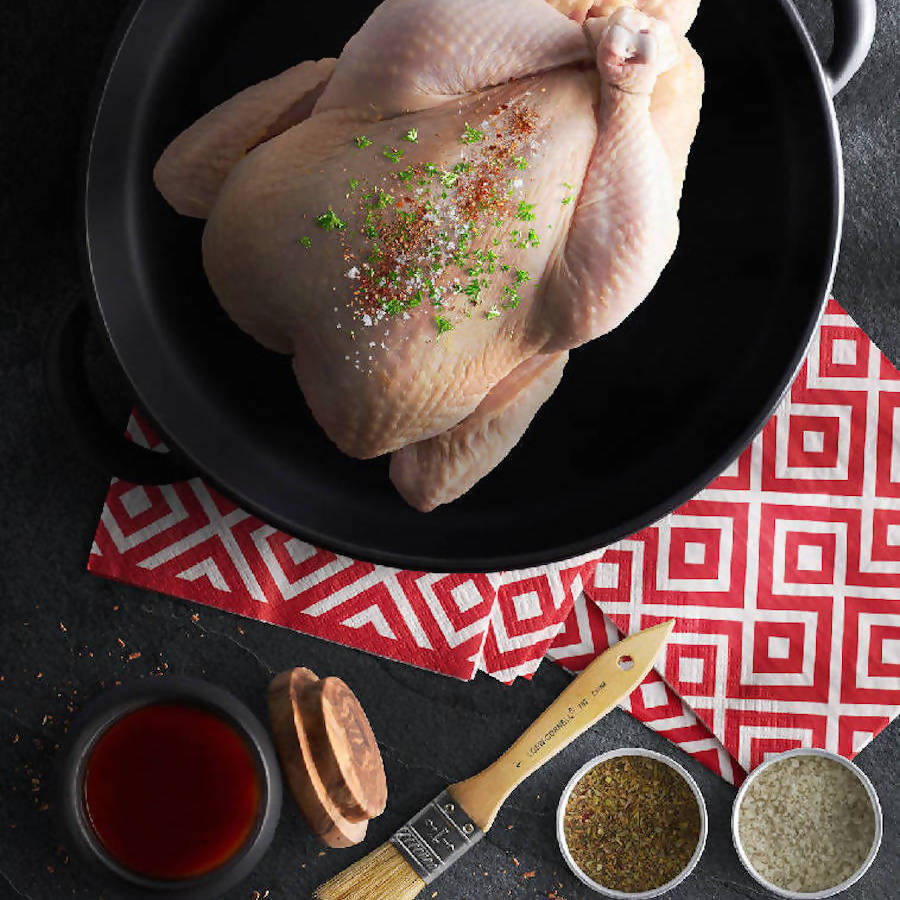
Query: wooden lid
point(328, 753)
point(345, 750)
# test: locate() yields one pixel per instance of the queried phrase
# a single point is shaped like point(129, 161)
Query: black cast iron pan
point(645, 417)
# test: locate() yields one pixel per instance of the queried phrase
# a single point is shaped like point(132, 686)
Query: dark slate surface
point(61, 629)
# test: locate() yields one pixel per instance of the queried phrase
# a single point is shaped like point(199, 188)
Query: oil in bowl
point(631, 823)
point(168, 785)
point(807, 824)
point(172, 791)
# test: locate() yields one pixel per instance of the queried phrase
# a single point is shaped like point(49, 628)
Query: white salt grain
point(806, 824)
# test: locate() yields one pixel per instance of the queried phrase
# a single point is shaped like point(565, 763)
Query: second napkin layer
point(784, 574)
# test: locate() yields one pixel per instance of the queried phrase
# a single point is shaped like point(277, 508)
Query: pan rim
point(487, 562)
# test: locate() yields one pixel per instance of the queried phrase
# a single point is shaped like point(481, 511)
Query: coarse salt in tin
point(807, 824)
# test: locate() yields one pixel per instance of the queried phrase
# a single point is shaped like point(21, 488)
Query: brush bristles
point(382, 875)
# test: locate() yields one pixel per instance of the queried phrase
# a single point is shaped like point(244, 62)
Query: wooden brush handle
point(588, 698)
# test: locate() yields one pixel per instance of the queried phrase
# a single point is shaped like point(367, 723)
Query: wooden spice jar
point(328, 754)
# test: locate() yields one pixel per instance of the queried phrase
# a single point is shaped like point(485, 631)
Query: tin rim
point(564, 847)
point(841, 886)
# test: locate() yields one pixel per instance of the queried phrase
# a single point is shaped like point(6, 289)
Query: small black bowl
point(107, 709)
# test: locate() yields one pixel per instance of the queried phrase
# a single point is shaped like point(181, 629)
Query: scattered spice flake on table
point(412, 136)
point(305, 242)
point(632, 824)
point(362, 142)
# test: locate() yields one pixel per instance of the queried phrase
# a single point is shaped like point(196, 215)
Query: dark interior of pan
point(644, 418)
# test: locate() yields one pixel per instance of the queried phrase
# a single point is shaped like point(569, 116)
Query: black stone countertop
point(60, 629)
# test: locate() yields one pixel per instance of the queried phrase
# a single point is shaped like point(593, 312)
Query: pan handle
point(854, 31)
point(77, 411)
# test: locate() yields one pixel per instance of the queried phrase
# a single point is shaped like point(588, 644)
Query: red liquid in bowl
point(172, 791)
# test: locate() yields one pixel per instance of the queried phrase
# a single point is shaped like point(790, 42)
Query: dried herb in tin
point(632, 824)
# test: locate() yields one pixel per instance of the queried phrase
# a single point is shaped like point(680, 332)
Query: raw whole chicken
point(430, 222)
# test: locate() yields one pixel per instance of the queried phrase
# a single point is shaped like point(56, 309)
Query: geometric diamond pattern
point(190, 541)
point(530, 610)
point(784, 574)
point(588, 632)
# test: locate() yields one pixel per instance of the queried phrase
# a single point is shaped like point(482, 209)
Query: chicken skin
point(430, 222)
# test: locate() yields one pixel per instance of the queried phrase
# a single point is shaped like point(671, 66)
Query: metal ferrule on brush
point(437, 837)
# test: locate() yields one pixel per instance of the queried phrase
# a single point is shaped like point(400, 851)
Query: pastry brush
point(458, 818)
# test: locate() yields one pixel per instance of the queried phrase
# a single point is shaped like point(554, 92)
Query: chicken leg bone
point(677, 14)
point(626, 224)
point(633, 50)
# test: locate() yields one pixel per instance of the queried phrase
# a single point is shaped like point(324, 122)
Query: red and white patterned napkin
point(189, 541)
point(784, 576)
point(587, 633)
